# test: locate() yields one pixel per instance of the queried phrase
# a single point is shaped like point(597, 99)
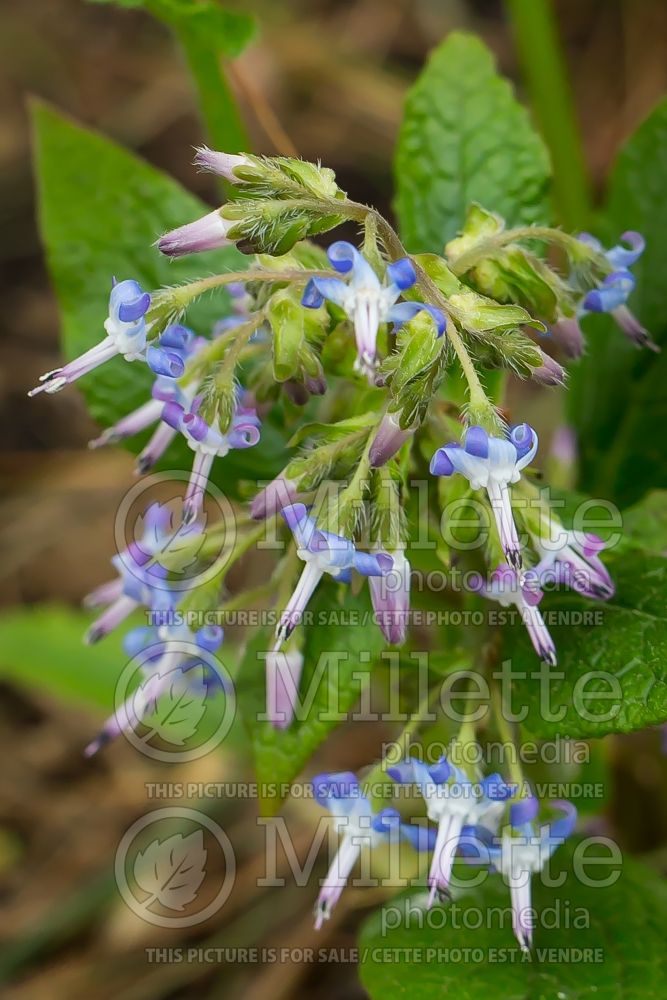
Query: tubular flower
point(283, 673)
point(492, 463)
point(576, 564)
point(167, 359)
point(389, 439)
point(390, 596)
point(279, 493)
point(208, 443)
point(568, 335)
point(523, 850)
point(142, 580)
point(613, 292)
point(126, 335)
point(222, 164)
point(507, 588)
point(453, 802)
point(359, 827)
point(173, 659)
point(207, 233)
point(323, 552)
point(366, 301)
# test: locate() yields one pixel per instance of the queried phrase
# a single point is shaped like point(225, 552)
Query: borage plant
point(409, 464)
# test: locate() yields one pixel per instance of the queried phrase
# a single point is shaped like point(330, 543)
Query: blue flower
point(359, 827)
point(453, 802)
point(613, 291)
point(126, 332)
point(366, 301)
point(492, 463)
point(522, 850)
point(142, 579)
point(171, 659)
point(615, 288)
point(208, 443)
point(167, 358)
point(323, 552)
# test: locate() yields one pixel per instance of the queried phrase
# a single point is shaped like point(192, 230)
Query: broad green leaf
point(42, 647)
point(465, 138)
point(612, 656)
point(595, 941)
point(341, 644)
point(618, 395)
point(645, 524)
point(100, 210)
point(207, 32)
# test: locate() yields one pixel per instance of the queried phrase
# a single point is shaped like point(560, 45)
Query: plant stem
point(485, 248)
point(401, 745)
point(506, 736)
point(541, 57)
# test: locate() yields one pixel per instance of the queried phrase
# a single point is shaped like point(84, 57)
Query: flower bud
point(283, 673)
point(388, 440)
point(390, 595)
point(207, 233)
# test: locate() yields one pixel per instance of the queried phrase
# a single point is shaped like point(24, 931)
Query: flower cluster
point(481, 822)
point(368, 364)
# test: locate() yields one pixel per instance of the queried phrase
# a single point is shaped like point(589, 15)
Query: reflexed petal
point(622, 257)
point(402, 273)
point(332, 289)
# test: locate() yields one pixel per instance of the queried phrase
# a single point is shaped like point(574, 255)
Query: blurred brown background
point(333, 74)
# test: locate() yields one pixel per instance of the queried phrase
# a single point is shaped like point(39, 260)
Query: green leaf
point(618, 395)
point(207, 32)
point(42, 647)
point(612, 668)
point(465, 138)
point(100, 210)
point(596, 941)
point(340, 646)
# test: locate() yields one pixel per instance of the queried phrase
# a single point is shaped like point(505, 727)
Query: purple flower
point(283, 673)
point(126, 335)
point(207, 233)
point(280, 492)
point(390, 595)
point(452, 801)
point(172, 659)
point(366, 301)
point(323, 552)
point(209, 443)
point(492, 463)
point(575, 564)
point(549, 372)
point(222, 164)
point(567, 334)
point(507, 588)
point(389, 439)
